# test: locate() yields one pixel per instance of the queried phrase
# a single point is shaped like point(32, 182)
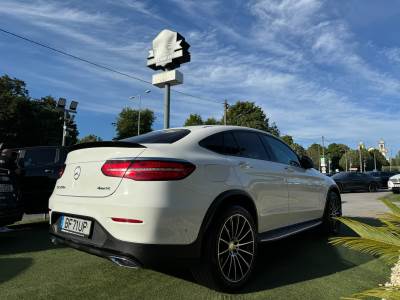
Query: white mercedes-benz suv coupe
point(205, 196)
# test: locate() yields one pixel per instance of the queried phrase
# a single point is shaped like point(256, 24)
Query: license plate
point(75, 226)
point(396, 184)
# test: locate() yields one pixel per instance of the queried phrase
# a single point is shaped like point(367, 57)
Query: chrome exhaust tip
point(124, 262)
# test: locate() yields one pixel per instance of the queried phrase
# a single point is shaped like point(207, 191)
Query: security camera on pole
point(169, 51)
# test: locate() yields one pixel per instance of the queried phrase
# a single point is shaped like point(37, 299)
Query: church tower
point(382, 148)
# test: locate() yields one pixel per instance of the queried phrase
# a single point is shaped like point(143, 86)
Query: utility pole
point(64, 128)
point(323, 155)
point(359, 149)
point(345, 155)
point(225, 110)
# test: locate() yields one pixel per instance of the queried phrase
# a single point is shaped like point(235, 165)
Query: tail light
point(148, 170)
point(61, 171)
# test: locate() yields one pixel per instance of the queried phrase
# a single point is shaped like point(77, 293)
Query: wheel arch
point(225, 199)
point(333, 189)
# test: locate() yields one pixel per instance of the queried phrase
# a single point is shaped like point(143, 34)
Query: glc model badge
point(77, 172)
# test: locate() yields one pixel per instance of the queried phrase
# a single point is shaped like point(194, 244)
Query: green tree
point(90, 138)
point(24, 120)
point(314, 151)
point(245, 113)
point(296, 147)
point(335, 153)
point(211, 121)
point(193, 119)
point(126, 124)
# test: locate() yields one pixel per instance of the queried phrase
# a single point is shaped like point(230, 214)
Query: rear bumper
point(102, 243)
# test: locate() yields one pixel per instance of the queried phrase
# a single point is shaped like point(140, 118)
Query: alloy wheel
point(335, 211)
point(236, 248)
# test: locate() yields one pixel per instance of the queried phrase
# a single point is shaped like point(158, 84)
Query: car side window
point(282, 153)
point(250, 145)
point(222, 143)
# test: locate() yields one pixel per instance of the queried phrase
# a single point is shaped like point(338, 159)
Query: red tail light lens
point(61, 171)
point(115, 168)
point(148, 170)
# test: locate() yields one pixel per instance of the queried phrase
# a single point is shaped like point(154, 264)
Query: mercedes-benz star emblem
point(77, 172)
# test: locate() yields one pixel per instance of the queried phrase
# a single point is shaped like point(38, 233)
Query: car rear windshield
point(167, 136)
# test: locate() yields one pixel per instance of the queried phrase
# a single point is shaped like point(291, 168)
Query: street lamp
point(61, 104)
point(140, 108)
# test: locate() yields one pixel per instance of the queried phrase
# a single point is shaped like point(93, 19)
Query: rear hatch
point(82, 175)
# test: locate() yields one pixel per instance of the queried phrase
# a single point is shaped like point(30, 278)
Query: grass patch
point(392, 197)
point(300, 267)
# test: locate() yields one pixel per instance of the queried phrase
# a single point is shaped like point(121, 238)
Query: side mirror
point(306, 162)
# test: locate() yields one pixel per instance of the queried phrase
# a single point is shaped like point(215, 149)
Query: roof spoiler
point(105, 144)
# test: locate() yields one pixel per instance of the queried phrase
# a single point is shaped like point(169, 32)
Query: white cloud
point(53, 11)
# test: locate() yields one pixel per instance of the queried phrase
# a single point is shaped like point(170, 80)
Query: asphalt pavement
point(363, 204)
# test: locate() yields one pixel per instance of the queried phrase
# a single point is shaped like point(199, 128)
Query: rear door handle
point(48, 171)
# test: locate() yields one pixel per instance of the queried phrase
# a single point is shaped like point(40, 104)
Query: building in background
point(382, 149)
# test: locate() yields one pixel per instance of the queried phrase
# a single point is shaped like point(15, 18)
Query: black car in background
point(37, 172)
point(354, 181)
point(11, 209)
point(382, 176)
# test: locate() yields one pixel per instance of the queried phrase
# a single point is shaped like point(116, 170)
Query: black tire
point(229, 251)
point(333, 209)
point(372, 188)
point(396, 191)
point(340, 187)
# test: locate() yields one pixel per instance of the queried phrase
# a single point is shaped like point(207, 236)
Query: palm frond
point(395, 219)
point(380, 234)
point(393, 207)
point(388, 293)
point(388, 252)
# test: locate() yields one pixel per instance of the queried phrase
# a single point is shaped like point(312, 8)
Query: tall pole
point(64, 128)
point(359, 149)
point(140, 108)
point(345, 155)
point(225, 110)
point(374, 161)
point(167, 100)
point(323, 155)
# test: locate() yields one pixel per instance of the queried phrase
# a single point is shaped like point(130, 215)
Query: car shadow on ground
point(11, 267)
point(299, 258)
point(26, 238)
point(303, 257)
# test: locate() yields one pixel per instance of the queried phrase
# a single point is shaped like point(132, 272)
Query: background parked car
point(38, 171)
point(394, 184)
point(383, 177)
point(10, 205)
point(354, 181)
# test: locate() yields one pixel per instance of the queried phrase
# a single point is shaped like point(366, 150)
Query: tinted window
point(250, 145)
point(222, 143)
point(39, 157)
point(167, 136)
point(214, 143)
point(282, 153)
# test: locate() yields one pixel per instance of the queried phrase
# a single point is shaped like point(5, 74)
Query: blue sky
point(316, 67)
